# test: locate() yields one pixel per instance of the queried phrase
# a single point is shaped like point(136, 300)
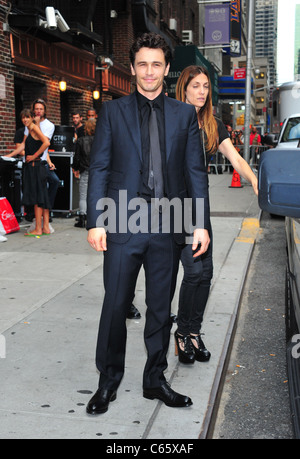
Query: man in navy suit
point(120, 169)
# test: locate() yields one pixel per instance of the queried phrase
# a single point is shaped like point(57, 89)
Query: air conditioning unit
point(173, 24)
point(187, 36)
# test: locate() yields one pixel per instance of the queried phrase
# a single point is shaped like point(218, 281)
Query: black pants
point(159, 256)
point(194, 290)
point(53, 184)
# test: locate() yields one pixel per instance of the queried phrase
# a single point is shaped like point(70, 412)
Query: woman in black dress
point(35, 192)
point(194, 87)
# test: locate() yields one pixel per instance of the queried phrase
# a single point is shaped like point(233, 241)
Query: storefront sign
point(235, 28)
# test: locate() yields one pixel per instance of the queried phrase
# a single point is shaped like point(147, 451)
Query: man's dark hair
point(150, 40)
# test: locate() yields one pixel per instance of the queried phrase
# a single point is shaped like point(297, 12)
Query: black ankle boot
point(200, 351)
point(185, 355)
point(81, 221)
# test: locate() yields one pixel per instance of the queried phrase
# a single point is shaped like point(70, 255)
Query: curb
point(248, 234)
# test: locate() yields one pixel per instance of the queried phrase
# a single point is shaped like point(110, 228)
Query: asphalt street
point(255, 399)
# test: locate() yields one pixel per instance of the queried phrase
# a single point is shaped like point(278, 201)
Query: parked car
point(289, 136)
point(279, 193)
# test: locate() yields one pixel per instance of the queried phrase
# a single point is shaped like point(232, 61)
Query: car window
point(292, 130)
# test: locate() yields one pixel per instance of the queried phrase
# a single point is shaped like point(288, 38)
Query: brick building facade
point(34, 59)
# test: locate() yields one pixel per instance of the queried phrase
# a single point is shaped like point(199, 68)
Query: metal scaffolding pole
point(250, 13)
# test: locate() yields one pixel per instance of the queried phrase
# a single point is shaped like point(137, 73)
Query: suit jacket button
point(138, 193)
point(140, 171)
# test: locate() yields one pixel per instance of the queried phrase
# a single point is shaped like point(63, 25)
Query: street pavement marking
point(249, 231)
point(296, 238)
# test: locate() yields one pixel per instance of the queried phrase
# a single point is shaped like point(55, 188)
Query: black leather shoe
point(168, 396)
point(133, 313)
point(100, 401)
point(200, 351)
point(184, 348)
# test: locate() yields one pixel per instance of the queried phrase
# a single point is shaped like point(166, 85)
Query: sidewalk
point(51, 296)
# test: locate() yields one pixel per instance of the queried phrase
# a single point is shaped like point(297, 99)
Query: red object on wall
point(239, 74)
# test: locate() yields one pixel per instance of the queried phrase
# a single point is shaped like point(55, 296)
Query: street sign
point(239, 74)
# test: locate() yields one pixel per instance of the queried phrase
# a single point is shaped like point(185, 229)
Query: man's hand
point(201, 236)
point(97, 239)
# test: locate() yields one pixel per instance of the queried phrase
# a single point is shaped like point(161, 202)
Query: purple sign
point(217, 24)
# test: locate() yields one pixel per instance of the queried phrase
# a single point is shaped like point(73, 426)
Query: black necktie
point(155, 180)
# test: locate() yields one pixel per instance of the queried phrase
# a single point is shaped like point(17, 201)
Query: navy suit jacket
point(116, 158)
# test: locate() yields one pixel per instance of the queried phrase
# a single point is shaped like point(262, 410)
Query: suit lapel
point(129, 109)
point(170, 123)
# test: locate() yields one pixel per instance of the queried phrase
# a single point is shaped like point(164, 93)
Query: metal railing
point(219, 164)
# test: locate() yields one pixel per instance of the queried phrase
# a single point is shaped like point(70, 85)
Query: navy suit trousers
point(159, 255)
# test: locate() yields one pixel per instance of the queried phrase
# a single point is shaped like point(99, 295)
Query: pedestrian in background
point(237, 141)
point(35, 191)
point(255, 143)
point(39, 109)
point(255, 138)
point(77, 125)
point(81, 163)
point(91, 113)
point(194, 88)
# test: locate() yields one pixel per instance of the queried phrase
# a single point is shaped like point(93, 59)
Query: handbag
point(8, 221)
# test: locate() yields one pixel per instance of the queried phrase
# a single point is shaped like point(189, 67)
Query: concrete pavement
point(51, 296)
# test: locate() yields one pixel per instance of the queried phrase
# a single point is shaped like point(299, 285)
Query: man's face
point(150, 69)
point(76, 120)
point(39, 111)
point(91, 114)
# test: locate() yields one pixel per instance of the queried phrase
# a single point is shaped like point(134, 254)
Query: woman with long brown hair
point(194, 87)
point(35, 191)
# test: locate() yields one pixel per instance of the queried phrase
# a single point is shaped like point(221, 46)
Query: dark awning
point(30, 23)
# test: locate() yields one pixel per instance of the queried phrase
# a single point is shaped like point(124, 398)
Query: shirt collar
point(142, 100)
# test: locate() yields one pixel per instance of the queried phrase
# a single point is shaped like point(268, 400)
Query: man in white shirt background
point(39, 109)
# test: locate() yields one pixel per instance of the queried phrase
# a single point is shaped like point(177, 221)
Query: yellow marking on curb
point(249, 231)
point(296, 238)
point(249, 240)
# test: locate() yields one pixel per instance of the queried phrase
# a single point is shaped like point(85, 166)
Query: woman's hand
point(30, 158)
